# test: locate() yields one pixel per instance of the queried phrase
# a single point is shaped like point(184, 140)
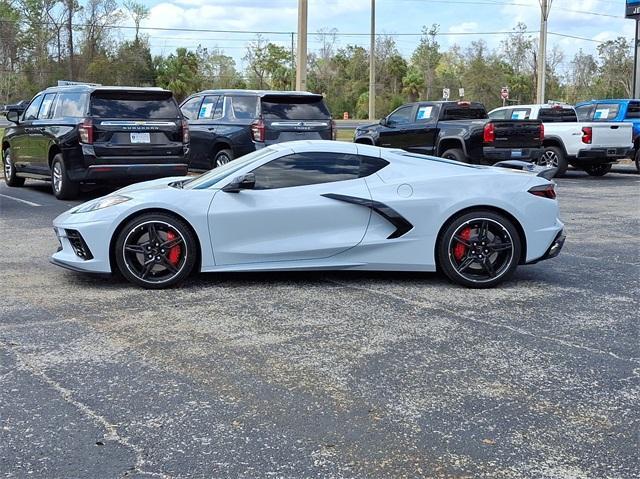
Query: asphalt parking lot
point(326, 374)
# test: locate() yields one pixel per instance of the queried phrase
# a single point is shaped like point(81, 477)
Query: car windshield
point(213, 176)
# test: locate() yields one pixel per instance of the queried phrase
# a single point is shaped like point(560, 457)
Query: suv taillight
point(587, 135)
point(489, 133)
point(257, 130)
point(541, 131)
point(185, 132)
point(544, 191)
point(334, 130)
point(86, 131)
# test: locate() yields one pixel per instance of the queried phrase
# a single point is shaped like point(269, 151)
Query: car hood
point(158, 184)
point(368, 126)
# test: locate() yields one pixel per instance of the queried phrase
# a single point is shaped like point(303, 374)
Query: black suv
point(81, 133)
point(226, 124)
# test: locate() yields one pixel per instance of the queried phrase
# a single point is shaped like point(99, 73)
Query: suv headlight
point(101, 203)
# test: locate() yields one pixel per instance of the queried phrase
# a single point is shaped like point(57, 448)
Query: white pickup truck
point(590, 146)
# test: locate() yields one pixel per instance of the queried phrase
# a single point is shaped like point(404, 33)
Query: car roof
point(259, 93)
point(608, 100)
point(92, 88)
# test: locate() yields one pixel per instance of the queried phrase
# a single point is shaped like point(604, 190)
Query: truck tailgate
point(611, 134)
point(517, 133)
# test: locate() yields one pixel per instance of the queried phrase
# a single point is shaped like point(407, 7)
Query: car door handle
point(212, 128)
point(614, 127)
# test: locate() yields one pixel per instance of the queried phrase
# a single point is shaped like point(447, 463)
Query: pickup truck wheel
point(598, 170)
point(63, 188)
point(222, 158)
point(455, 154)
point(10, 177)
point(554, 157)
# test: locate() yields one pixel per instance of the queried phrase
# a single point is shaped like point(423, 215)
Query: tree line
point(42, 41)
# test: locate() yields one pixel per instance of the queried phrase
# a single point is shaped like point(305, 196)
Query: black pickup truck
point(457, 130)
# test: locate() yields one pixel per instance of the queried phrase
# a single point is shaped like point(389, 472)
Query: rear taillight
point(86, 131)
point(541, 131)
point(587, 135)
point(489, 133)
point(257, 130)
point(334, 130)
point(544, 191)
point(185, 132)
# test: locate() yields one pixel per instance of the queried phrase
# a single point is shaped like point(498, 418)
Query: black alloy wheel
point(479, 249)
point(598, 170)
point(10, 176)
point(156, 251)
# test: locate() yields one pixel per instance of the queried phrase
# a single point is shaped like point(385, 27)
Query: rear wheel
point(155, 251)
point(63, 188)
point(598, 170)
point(10, 176)
point(554, 157)
point(455, 154)
point(479, 249)
point(222, 158)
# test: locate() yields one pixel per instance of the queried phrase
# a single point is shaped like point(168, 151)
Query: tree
point(218, 70)
point(412, 83)
point(268, 65)
point(138, 12)
point(179, 73)
point(581, 77)
point(616, 68)
point(427, 57)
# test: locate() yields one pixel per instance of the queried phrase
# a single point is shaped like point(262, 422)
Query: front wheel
point(598, 170)
point(10, 176)
point(156, 251)
point(479, 249)
point(222, 158)
point(61, 185)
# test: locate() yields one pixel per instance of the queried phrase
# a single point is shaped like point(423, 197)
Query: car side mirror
point(13, 116)
point(384, 121)
point(244, 182)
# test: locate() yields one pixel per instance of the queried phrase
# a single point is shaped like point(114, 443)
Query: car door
point(287, 216)
point(393, 132)
point(22, 146)
point(43, 135)
point(203, 132)
point(422, 132)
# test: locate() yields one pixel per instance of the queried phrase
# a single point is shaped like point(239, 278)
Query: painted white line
point(30, 203)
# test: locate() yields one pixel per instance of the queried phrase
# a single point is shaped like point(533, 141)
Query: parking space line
point(30, 203)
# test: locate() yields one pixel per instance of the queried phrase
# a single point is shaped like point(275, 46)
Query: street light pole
point(545, 7)
point(301, 70)
point(372, 64)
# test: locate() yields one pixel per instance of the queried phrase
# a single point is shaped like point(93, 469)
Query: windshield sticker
point(424, 112)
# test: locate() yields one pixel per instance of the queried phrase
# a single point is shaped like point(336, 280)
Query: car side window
point(500, 114)
point(606, 112)
point(519, 114)
point(208, 106)
point(70, 105)
point(633, 111)
point(31, 113)
point(585, 112)
point(424, 113)
point(401, 115)
point(46, 109)
point(191, 108)
point(302, 169)
point(370, 165)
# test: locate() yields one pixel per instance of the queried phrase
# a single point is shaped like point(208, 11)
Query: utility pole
point(372, 64)
point(545, 7)
point(293, 62)
point(70, 5)
point(301, 70)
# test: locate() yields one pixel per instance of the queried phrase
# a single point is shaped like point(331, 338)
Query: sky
point(461, 21)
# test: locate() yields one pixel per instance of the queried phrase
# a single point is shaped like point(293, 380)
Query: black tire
point(222, 158)
point(554, 156)
point(10, 175)
point(149, 262)
point(63, 188)
point(598, 170)
point(455, 154)
point(638, 160)
point(476, 264)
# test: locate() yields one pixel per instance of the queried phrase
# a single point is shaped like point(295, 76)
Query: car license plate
point(516, 153)
point(140, 138)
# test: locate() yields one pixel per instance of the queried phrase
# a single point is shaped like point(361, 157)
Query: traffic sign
point(446, 93)
point(461, 92)
point(504, 93)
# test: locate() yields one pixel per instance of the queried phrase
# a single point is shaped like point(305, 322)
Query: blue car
point(614, 110)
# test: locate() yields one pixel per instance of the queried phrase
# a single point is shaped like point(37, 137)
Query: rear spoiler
point(545, 172)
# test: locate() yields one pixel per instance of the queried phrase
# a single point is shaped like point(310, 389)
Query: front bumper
point(500, 154)
point(83, 246)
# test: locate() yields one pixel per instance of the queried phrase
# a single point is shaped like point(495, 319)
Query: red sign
point(504, 93)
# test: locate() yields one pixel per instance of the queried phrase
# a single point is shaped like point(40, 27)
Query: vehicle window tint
point(70, 105)
point(370, 165)
point(191, 108)
point(31, 113)
point(294, 107)
point(520, 114)
point(207, 107)
point(606, 111)
point(425, 113)
point(242, 107)
point(130, 105)
point(401, 115)
point(46, 107)
point(464, 113)
point(500, 114)
point(218, 111)
point(584, 112)
point(307, 169)
point(633, 111)
point(557, 115)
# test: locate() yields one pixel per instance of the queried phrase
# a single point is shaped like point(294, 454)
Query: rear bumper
point(494, 154)
point(134, 171)
point(554, 249)
point(597, 156)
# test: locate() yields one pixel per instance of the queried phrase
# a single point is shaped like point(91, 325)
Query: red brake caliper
point(174, 252)
point(460, 249)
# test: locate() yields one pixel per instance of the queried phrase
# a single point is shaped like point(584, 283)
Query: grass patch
point(345, 135)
